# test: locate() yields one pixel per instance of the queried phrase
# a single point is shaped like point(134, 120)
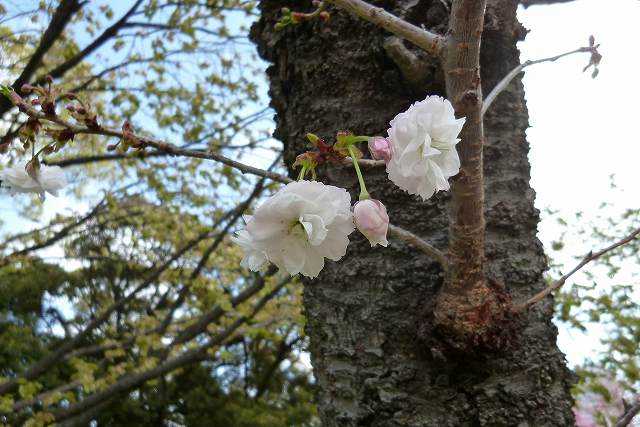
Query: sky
point(581, 129)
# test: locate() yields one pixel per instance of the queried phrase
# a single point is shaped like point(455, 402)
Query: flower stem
point(302, 173)
point(364, 194)
point(356, 139)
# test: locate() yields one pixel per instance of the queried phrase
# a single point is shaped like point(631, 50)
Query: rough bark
point(377, 357)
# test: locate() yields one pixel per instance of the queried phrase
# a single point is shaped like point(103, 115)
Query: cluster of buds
point(323, 153)
point(595, 58)
point(82, 113)
point(369, 215)
point(60, 138)
point(45, 96)
point(28, 132)
point(346, 146)
point(294, 18)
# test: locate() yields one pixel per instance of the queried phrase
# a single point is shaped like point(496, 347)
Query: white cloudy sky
point(582, 130)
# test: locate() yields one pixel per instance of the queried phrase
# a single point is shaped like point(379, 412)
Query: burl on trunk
point(378, 358)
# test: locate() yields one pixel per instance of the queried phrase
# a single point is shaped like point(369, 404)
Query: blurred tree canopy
point(131, 308)
point(603, 301)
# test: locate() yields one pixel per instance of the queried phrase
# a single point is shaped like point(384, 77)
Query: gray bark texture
point(377, 358)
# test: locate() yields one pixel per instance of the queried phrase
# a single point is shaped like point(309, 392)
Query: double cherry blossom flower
point(297, 228)
point(423, 141)
point(47, 179)
point(307, 221)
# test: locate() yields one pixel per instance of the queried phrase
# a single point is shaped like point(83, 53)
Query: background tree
point(134, 306)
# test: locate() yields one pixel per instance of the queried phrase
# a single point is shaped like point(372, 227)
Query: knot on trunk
point(475, 316)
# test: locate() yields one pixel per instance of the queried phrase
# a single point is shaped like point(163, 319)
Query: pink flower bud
point(380, 148)
point(370, 217)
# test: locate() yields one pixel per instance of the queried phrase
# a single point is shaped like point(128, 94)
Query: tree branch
point(173, 150)
point(504, 83)
point(107, 34)
point(161, 146)
point(59, 235)
point(164, 147)
point(591, 256)
point(418, 243)
point(467, 306)
point(628, 416)
point(61, 17)
point(430, 42)
point(82, 160)
point(412, 67)
point(55, 356)
point(201, 323)
point(191, 356)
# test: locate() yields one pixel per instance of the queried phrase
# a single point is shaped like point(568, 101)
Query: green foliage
point(183, 71)
point(606, 295)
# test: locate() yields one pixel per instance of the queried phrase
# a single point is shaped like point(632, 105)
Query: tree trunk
point(377, 358)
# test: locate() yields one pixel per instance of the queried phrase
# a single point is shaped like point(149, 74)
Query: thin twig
point(418, 243)
point(430, 42)
point(364, 163)
point(591, 256)
point(159, 145)
point(628, 416)
point(504, 83)
point(168, 148)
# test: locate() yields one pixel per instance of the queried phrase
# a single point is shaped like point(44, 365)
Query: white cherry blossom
point(297, 228)
point(423, 141)
point(49, 179)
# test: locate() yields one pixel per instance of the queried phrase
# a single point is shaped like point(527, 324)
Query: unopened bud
point(380, 148)
point(32, 168)
point(371, 219)
point(49, 108)
point(297, 17)
point(313, 138)
point(15, 98)
point(26, 89)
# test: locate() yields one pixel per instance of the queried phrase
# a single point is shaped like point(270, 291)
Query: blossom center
point(310, 228)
